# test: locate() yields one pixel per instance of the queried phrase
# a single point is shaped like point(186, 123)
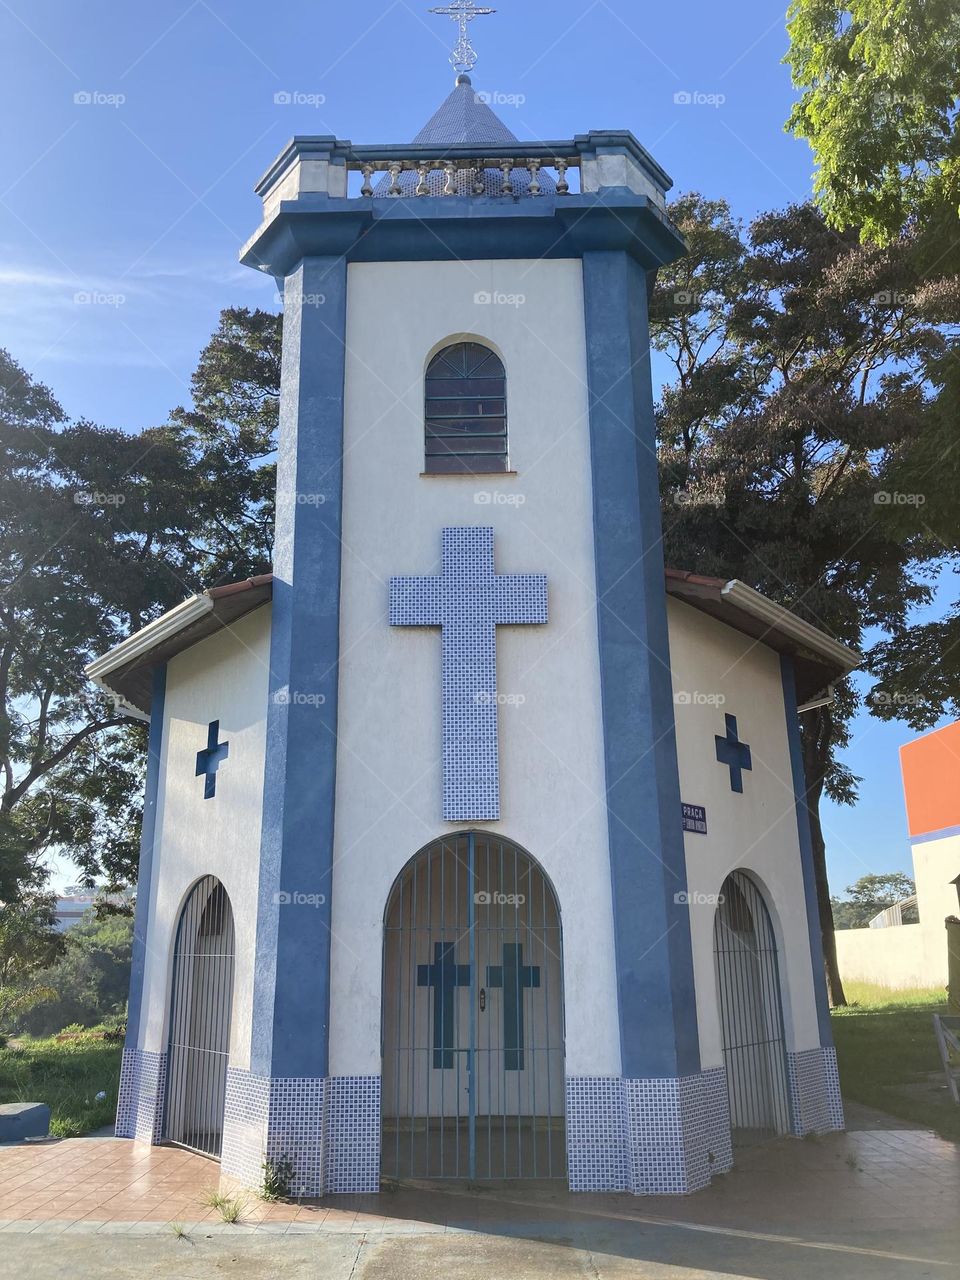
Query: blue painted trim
point(291, 999)
point(657, 1002)
point(148, 832)
point(806, 850)
point(942, 834)
point(437, 228)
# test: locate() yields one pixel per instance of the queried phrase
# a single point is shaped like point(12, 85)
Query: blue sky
point(136, 132)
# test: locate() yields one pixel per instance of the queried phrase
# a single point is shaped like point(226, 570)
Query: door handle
point(483, 999)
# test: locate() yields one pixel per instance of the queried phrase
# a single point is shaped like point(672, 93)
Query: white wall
point(222, 678)
point(894, 957)
point(910, 955)
point(551, 755)
point(755, 831)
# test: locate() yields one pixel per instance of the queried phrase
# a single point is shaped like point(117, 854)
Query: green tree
point(91, 977)
point(880, 80)
point(872, 894)
point(880, 83)
point(99, 532)
point(798, 359)
point(29, 943)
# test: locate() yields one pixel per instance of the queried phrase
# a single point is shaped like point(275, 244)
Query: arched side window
point(465, 411)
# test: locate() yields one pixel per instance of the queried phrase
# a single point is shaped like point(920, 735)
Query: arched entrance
point(473, 1065)
point(200, 1007)
point(751, 1012)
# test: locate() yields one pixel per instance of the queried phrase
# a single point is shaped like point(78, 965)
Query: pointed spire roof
point(464, 118)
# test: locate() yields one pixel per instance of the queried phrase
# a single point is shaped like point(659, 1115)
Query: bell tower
point(467, 448)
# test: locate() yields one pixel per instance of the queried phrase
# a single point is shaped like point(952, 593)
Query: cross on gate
point(514, 977)
point(733, 753)
point(209, 760)
point(468, 601)
point(444, 976)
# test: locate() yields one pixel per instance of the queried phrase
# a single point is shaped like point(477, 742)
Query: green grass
point(887, 1054)
point(67, 1076)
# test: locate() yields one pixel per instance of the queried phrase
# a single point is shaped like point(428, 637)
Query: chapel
point(474, 843)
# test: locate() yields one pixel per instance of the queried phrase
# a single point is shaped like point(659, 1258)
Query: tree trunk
point(816, 750)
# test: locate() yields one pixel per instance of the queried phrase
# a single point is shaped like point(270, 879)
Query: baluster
point(534, 168)
point(479, 178)
point(395, 167)
point(506, 168)
point(423, 186)
point(562, 185)
point(450, 186)
point(367, 170)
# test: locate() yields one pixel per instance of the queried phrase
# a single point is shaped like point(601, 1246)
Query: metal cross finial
point(464, 56)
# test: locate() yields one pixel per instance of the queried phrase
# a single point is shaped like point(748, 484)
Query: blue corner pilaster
point(806, 850)
point(292, 975)
point(658, 1027)
point(148, 834)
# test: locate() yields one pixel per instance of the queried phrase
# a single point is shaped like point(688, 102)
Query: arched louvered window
point(465, 411)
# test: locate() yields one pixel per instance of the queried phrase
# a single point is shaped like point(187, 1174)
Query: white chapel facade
point(474, 843)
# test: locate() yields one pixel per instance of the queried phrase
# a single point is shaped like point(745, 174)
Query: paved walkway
point(875, 1203)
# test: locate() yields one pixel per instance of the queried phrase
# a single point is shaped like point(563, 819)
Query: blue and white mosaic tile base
point(468, 602)
point(651, 1137)
point(815, 1102)
point(140, 1100)
point(329, 1129)
point(595, 1133)
point(352, 1144)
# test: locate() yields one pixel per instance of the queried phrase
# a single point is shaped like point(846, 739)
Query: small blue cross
point(514, 977)
point(444, 976)
point(208, 761)
point(468, 602)
point(733, 753)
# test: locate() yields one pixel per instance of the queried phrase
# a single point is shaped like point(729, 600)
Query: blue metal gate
point(473, 1066)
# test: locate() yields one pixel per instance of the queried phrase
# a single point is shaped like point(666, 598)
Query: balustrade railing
point(372, 169)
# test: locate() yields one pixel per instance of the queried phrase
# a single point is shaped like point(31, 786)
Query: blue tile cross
point(444, 975)
point(733, 753)
point(209, 760)
point(514, 977)
point(468, 601)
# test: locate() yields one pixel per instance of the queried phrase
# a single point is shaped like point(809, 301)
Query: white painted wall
point(551, 756)
point(910, 955)
point(222, 678)
point(894, 957)
point(755, 831)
